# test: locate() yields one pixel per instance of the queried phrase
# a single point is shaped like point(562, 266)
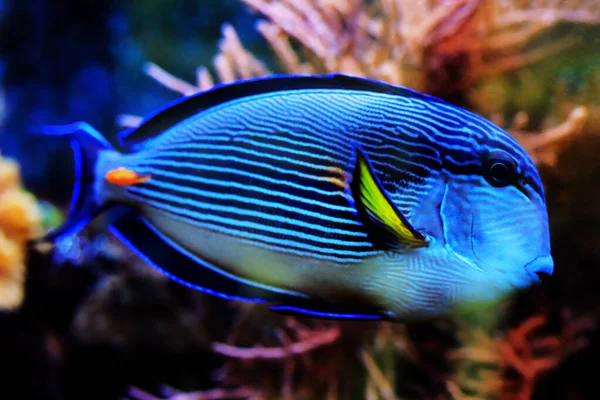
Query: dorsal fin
point(185, 107)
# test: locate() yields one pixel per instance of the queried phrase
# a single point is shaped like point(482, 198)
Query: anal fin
point(137, 233)
point(149, 245)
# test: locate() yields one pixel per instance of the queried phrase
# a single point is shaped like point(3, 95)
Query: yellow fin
point(124, 177)
point(386, 223)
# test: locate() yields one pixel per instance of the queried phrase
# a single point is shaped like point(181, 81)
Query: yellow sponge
point(20, 221)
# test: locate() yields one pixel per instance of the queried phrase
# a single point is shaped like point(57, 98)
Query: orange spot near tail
point(125, 177)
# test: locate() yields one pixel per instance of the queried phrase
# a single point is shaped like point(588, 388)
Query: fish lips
point(541, 268)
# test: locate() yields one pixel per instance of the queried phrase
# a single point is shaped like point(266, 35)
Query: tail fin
point(86, 143)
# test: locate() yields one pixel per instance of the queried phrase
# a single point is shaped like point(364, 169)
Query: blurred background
point(88, 320)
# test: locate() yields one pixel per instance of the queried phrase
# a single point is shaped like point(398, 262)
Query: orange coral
point(20, 221)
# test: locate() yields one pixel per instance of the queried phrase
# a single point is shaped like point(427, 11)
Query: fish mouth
point(540, 268)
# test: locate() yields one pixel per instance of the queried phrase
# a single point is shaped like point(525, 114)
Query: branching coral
point(488, 365)
point(285, 347)
point(246, 367)
point(543, 146)
point(504, 366)
point(444, 44)
point(317, 339)
point(439, 47)
point(20, 221)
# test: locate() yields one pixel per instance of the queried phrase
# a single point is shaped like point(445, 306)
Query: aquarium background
point(94, 322)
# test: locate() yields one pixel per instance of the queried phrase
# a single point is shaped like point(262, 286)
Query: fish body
point(328, 195)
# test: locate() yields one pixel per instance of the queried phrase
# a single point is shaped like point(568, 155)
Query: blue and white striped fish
point(331, 195)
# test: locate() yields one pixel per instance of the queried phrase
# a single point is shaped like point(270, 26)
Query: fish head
point(474, 236)
point(495, 221)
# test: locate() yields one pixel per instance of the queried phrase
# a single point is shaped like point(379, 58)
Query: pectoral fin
point(388, 227)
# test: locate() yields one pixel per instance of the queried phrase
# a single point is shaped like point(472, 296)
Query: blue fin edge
point(158, 251)
point(292, 310)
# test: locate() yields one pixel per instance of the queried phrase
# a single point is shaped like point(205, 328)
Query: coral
point(439, 47)
point(508, 366)
point(301, 358)
point(430, 45)
point(20, 221)
point(502, 365)
point(544, 146)
point(433, 45)
point(271, 366)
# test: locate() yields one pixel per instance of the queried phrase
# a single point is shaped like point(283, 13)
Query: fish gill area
point(87, 319)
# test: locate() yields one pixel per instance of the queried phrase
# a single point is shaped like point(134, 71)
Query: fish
point(331, 196)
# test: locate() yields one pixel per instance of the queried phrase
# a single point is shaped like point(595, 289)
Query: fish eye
point(499, 169)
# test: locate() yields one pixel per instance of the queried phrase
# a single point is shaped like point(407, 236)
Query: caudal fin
point(86, 143)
